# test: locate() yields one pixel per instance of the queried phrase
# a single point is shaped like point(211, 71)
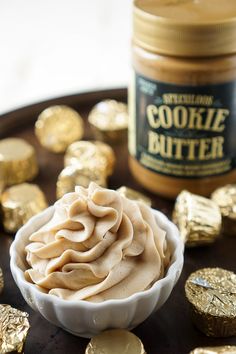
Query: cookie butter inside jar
point(181, 100)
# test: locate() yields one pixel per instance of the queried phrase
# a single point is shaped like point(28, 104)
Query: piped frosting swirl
point(97, 246)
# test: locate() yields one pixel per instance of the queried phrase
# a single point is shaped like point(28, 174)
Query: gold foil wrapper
point(225, 198)
point(14, 327)
point(115, 341)
point(93, 155)
point(109, 120)
point(134, 195)
point(211, 293)
point(226, 349)
point(2, 179)
point(107, 151)
point(18, 161)
point(57, 127)
point(76, 175)
point(20, 203)
point(198, 219)
point(1, 281)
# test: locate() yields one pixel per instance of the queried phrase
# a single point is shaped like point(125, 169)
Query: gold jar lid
point(193, 28)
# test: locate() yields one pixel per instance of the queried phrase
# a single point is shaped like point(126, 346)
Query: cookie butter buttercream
point(97, 246)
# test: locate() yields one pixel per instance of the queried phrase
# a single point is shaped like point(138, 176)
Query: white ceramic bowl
point(83, 318)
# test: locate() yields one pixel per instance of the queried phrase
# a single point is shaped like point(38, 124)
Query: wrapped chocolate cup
point(115, 341)
point(211, 293)
point(226, 349)
point(134, 195)
point(1, 281)
point(198, 219)
point(20, 203)
point(2, 179)
point(81, 152)
point(93, 155)
point(225, 198)
point(77, 175)
point(57, 127)
point(14, 327)
point(107, 151)
point(18, 161)
point(109, 120)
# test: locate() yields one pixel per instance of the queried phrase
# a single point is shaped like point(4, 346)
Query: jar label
point(183, 131)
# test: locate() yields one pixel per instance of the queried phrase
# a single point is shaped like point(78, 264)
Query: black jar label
point(183, 131)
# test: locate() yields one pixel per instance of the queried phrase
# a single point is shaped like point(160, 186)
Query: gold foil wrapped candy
point(211, 293)
point(134, 195)
point(91, 154)
point(57, 127)
point(14, 326)
point(198, 219)
point(18, 161)
point(109, 154)
point(226, 349)
point(109, 120)
point(1, 281)
point(115, 341)
point(20, 203)
point(76, 175)
point(2, 179)
point(225, 198)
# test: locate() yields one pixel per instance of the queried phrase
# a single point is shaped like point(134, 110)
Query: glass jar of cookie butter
point(182, 98)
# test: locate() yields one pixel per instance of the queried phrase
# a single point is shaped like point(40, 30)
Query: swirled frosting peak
point(97, 246)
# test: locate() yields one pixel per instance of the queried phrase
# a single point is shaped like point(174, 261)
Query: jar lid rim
point(178, 37)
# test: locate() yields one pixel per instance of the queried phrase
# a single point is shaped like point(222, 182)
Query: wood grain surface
point(168, 331)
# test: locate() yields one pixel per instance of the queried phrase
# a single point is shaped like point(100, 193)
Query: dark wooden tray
point(167, 331)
